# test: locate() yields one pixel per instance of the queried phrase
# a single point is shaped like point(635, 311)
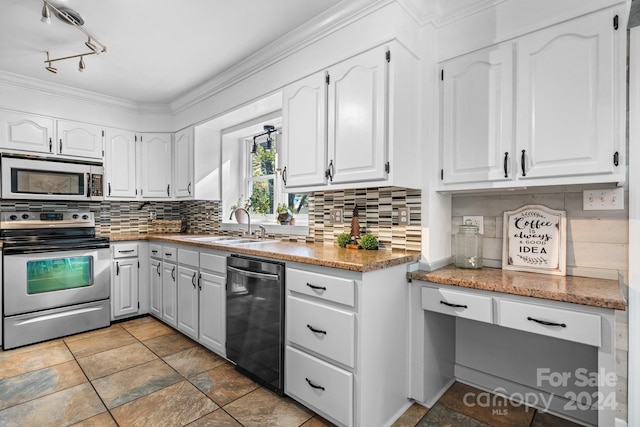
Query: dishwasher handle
point(253, 274)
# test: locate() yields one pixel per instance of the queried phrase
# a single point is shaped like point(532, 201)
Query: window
point(266, 192)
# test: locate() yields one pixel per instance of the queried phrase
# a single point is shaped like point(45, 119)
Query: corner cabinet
point(120, 164)
point(354, 122)
point(566, 86)
point(183, 164)
point(154, 165)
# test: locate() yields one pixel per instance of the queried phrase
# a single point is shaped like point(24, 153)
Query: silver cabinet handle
point(173, 273)
point(193, 280)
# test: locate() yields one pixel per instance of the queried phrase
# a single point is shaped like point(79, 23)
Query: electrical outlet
point(152, 214)
point(335, 216)
point(477, 220)
point(403, 216)
point(603, 200)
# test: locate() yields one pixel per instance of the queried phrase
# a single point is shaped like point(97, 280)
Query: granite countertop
point(325, 255)
point(589, 291)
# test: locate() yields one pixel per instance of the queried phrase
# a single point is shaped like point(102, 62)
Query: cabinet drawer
point(320, 385)
point(460, 304)
point(211, 262)
point(322, 329)
point(323, 286)
point(169, 253)
point(188, 257)
point(155, 250)
point(564, 324)
point(125, 250)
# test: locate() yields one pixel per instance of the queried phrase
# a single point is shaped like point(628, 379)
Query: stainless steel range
point(56, 277)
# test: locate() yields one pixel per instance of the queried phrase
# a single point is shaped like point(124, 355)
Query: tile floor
point(143, 373)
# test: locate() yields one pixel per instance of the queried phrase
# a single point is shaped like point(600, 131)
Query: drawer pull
point(319, 288)
point(314, 385)
point(128, 251)
point(448, 304)
point(154, 251)
point(317, 331)
point(168, 254)
point(544, 322)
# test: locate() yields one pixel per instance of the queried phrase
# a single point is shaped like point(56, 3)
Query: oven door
point(39, 281)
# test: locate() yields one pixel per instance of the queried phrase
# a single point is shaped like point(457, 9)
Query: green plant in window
point(260, 200)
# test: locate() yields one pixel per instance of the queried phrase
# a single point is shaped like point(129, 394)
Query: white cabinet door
point(120, 164)
point(477, 114)
point(566, 99)
point(357, 118)
point(183, 162)
point(124, 298)
point(154, 164)
point(155, 288)
point(212, 312)
point(26, 132)
point(79, 139)
point(169, 294)
point(304, 137)
point(188, 301)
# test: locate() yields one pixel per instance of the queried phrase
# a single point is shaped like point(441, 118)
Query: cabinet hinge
point(388, 56)
point(615, 22)
point(616, 159)
point(441, 174)
point(442, 74)
point(387, 167)
point(327, 78)
point(135, 138)
point(103, 133)
point(138, 264)
point(138, 305)
point(102, 153)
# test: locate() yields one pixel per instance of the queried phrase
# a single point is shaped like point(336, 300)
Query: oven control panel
point(46, 219)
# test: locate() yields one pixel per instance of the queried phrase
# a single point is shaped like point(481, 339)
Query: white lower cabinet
point(346, 346)
point(212, 304)
point(155, 281)
point(124, 280)
point(169, 289)
point(188, 301)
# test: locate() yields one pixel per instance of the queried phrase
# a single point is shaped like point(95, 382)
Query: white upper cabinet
point(357, 119)
point(304, 143)
point(565, 86)
point(154, 165)
point(120, 164)
point(477, 113)
point(183, 164)
point(26, 132)
point(566, 101)
point(79, 139)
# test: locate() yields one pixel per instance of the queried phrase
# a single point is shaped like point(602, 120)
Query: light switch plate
point(603, 200)
point(403, 216)
point(336, 216)
point(477, 220)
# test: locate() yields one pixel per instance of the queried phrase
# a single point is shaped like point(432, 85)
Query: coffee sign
point(534, 240)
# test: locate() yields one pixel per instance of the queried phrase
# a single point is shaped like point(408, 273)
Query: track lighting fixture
point(268, 144)
point(46, 14)
point(71, 17)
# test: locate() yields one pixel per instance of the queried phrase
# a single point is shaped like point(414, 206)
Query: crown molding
point(320, 27)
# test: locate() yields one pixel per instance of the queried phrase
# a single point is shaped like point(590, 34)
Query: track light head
point(81, 65)
point(46, 14)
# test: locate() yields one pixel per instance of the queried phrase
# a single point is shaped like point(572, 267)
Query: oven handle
point(44, 249)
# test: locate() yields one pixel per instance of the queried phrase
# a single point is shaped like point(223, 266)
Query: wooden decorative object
point(535, 240)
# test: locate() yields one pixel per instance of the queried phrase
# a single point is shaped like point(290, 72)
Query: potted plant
point(284, 214)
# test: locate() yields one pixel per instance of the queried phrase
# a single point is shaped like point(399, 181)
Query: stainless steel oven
point(39, 178)
point(56, 277)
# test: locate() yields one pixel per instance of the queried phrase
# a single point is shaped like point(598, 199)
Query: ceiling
point(157, 51)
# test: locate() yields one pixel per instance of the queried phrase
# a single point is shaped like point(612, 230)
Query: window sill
point(272, 228)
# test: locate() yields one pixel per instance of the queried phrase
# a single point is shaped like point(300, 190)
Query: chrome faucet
point(262, 230)
point(248, 233)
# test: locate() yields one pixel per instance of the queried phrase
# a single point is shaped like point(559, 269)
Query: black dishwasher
point(255, 319)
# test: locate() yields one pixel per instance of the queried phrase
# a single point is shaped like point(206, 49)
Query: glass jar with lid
point(468, 246)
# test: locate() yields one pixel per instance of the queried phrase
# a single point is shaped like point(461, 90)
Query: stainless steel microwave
point(25, 177)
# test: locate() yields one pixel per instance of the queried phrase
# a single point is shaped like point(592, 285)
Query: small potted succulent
point(369, 241)
point(343, 239)
point(284, 214)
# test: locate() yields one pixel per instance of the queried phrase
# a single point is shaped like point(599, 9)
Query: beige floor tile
point(34, 384)
point(58, 409)
point(440, 415)
point(166, 345)
point(28, 348)
point(101, 420)
point(130, 384)
point(98, 343)
point(14, 363)
point(318, 421)
point(218, 418)
point(223, 384)
point(193, 361)
point(92, 333)
point(150, 330)
point(111, 361)
point(176, 405)
point(137, 322)
point(544, 419)
point(411, 416)
point(262, 408)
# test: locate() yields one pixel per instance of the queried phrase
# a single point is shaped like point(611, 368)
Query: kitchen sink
point(212, 239)
point(244, 240)
point(228, 240)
